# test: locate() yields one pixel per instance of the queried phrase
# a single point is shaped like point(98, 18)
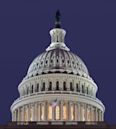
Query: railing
point(34, 123)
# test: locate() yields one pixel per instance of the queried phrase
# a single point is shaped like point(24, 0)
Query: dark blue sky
point(91, 34)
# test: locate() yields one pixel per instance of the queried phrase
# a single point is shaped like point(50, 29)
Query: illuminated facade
point(57, 86)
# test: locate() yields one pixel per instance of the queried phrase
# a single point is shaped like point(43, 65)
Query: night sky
point(91, 34)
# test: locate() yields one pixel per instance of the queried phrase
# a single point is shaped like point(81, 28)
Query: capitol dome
point(57, 86)
point(57, 60)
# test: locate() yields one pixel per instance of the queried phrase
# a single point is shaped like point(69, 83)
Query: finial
point(57, 19)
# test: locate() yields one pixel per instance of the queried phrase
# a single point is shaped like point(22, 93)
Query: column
point(96, 115)
point(85, 107)
point(32, 106)
point(99, 115)
point(45, 110)
point(102, 116)
point(18, 114)
point(61, 110)
point(92, 113)
point(76, 113)
point(35, 112)
point(26, 108)
point(29, 112)
point(53, 113)
point(13, 116)
point(23, 113)
point(80, 112)
point(38, 111)
point(69, 112)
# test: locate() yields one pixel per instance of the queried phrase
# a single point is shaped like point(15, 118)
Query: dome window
point(64, 86)
point(41, 62)
point(27, 90)
point(37, 88)
point(57, 61)
point(51, 61)
point(71, 87)
point(50, 86)
point(62, 61)
point(73, 62)
point(46, 61)
point(57, 85)
point(77, 88)
point(32, 89)
point(83, 91)
point(68, 61)
point(43, 87)
point(87, 90)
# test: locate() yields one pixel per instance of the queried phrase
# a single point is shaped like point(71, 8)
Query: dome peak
point(57, 19)
point(57, 35)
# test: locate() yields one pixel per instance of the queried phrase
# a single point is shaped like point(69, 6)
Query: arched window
point(72, 111)
point(57, 112)
point(64, 108)
point(37, 87)
point(50, 112)
point(50, 86)
point(71, 87)
point(32, 89)
point(87, 90)
point(83, 89)
point(77, 88)
point(43, 87)
point(64, 86)
point(57, 85)
point(27, 90)
point(42, 112)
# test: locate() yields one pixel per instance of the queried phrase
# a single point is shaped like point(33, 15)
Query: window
point(64, 86)
point(87, 90)
point(72, 112)
point(82, 88)
point(71, 87)
point(50, 112)
point(42, 112)
point(32, 89)
point(37, 87)
point(27, 90)
point(43, 87)
point(64, 112)
point(57, 112)
point(50, 86)
point(57, 85)
point(77, 88)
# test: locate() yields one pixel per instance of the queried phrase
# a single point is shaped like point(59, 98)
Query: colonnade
point(57, 111)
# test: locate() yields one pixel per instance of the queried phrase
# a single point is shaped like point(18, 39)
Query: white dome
point(57, 61)
point(57, 87)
